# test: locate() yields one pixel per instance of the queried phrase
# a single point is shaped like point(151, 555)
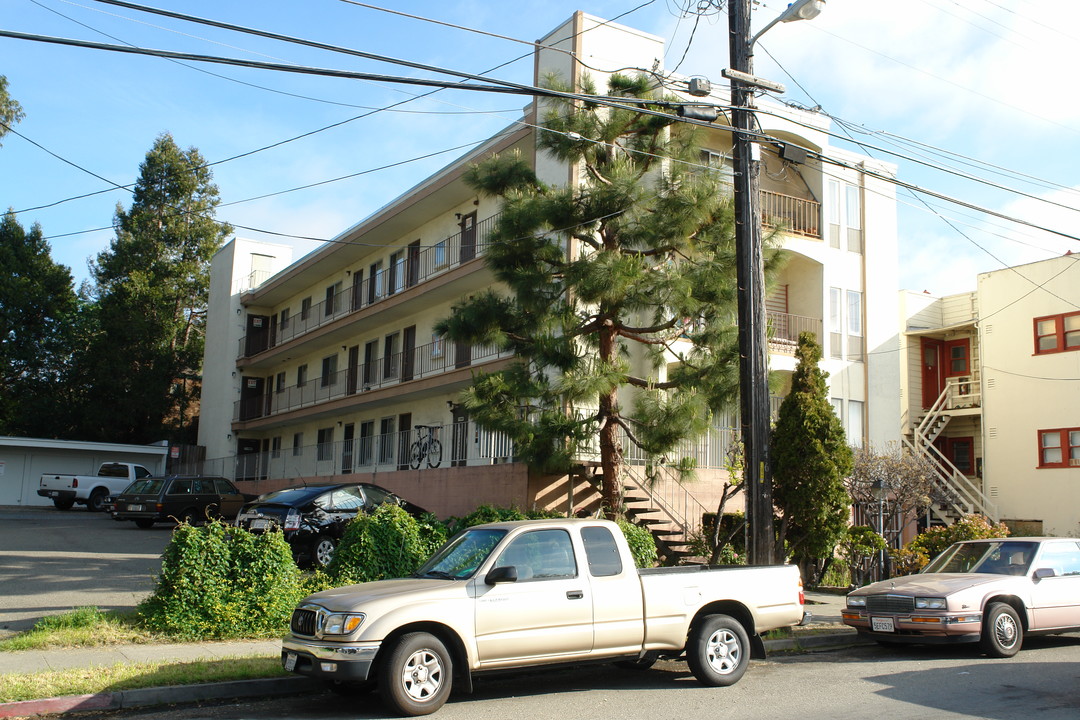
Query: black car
point(184, 498)
point(313, 517)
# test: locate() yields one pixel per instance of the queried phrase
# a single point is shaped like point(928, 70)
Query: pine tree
point(37, 309)
point(810, 461)
point(151, 289)
point(632, 269)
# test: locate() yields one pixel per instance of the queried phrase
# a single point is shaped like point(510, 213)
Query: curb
point(271, 687)
point(142, 697)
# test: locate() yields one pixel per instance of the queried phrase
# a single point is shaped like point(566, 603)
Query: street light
point(753, 362)
point(880, 490)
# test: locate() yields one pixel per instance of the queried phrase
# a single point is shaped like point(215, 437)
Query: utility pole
point(753, 362)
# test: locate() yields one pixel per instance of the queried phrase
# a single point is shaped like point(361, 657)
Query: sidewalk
point(825, 631)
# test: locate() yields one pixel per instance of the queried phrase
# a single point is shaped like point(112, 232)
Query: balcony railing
point(784, 329)
point(795, 215)
point(414, 269)
point(421, 362)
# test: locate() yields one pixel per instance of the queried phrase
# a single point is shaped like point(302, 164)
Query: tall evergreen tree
point(10, 110)
point(37, 309)
point(150, 291)
point(602, 277)
point(810, 461)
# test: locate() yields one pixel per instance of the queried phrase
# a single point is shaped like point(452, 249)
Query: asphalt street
point(52, 561)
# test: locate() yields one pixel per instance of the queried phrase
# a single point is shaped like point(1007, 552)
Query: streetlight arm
point(798, 10)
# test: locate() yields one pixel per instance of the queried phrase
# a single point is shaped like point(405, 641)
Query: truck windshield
point(460, 557)
point(1008, 557)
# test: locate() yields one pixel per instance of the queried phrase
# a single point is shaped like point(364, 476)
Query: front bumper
point(330, 661)
point(916, 627)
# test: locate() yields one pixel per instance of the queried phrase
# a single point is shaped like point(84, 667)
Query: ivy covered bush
point(490, 513)
point(388, 543)
point(641, 542)
point(219, 581)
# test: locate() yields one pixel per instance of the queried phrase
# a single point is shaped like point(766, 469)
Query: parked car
point(993, 592)
point(90, 490)
point(313, 517)
point(184, 498)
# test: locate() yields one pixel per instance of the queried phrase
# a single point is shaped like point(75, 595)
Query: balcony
point(784, 331)
point(418, 267)
point(791, 214)
point(422, 362)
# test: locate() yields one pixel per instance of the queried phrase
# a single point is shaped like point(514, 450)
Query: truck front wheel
point(417, 675)
point(718, 650)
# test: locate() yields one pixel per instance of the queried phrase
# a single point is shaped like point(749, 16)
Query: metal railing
point(784, 329)
point(414, 269)
point(795, 215)
point(424, 361)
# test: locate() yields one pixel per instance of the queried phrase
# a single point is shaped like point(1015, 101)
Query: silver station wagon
point(993, 592)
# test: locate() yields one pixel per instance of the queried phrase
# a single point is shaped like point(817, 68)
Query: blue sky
point(986, 80)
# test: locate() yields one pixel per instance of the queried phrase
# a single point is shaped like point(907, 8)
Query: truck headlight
point(342, 623)
point(922, 603)
point(856, 601)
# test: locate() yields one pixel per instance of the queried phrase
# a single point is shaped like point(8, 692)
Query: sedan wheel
point(322, 551)
point(1002, 633)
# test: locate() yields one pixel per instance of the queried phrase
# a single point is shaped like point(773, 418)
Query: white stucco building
point(323, 367)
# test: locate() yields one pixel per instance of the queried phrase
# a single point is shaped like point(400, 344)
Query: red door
point(933, 371)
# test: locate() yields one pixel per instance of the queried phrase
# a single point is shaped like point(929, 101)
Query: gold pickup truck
point(532, 593)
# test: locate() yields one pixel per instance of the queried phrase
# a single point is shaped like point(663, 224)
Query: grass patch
point(82, 627)
point(130, 676)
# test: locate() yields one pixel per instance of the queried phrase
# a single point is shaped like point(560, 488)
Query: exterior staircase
point(957, 495)
point(666, 508)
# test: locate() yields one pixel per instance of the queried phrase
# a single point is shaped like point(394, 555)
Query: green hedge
point(219, 581)
point(389, 543)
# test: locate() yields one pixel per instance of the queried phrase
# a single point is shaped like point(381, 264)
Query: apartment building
point(331, 367)
point(991, 395)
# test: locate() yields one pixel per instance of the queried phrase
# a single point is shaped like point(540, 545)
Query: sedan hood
point(931, 585)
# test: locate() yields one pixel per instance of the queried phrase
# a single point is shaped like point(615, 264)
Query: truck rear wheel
point(718, 650)
point(96, 503)
point(417, 675)
point(63, 504)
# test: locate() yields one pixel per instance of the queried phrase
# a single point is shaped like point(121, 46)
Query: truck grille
point(303, 622)
point(890, 603)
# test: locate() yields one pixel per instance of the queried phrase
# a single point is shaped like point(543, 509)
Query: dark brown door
point(347, 449)
point(370, 363)
point(354, 370)
point(933, 370)
point(413, 270)
point(459, 441)
point(408, 351)
point(251, 398)
point(462, 354)
point(405, 429)
point(257, 337)
point(468, 237)
point(357, 289)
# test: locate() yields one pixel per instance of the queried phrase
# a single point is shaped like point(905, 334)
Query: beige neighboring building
point(323, 368)
point(992, 395)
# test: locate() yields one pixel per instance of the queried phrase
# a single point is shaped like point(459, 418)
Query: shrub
point(858, 547)
point(219, 581)
point(490, 513)
point(970, 527)
point(907, 560)
point(641, 542)
point(388, 543)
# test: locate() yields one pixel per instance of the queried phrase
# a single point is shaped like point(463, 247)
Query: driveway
point(52, 561)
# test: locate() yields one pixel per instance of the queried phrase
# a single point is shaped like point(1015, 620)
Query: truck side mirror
point(505, 574)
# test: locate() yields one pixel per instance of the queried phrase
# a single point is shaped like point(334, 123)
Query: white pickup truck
point(90, 490)
point(536, 592)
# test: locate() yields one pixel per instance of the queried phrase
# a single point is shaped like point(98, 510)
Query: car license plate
point(290, 661)
point(880, 624)
point(53, 493)
point(259, 524)
point(135, 508)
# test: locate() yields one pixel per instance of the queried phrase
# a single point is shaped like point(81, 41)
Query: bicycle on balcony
point(425, 447)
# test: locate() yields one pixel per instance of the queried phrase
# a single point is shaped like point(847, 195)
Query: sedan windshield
point(1007, 557)
point(460, 558)
point(146, 486)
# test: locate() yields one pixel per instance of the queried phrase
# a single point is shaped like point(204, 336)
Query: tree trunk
point(610, 448)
